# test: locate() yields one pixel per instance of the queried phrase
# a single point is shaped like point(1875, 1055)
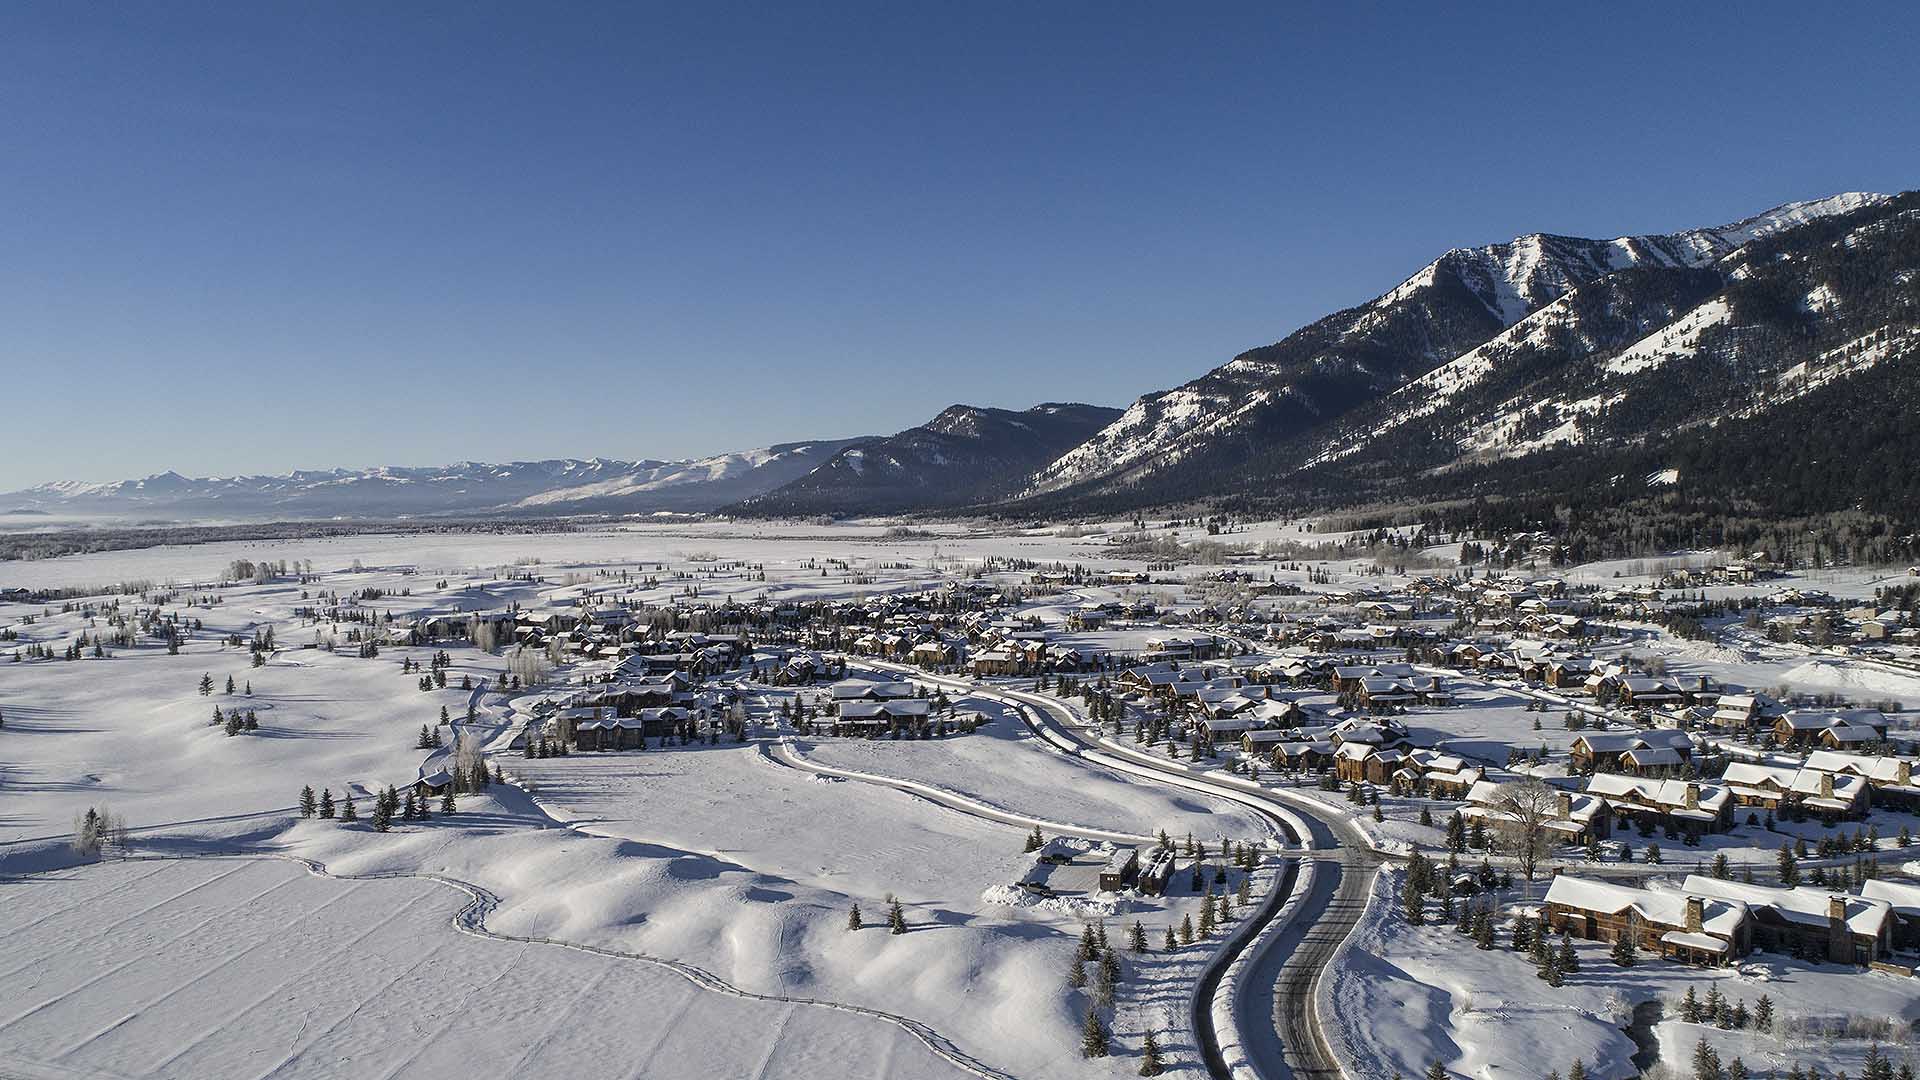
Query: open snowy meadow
point(684, 911)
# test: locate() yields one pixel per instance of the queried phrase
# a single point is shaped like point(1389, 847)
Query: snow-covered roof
point(1720, 915)
point(1805, 904)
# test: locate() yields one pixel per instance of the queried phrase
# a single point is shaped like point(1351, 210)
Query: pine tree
point(896, 918)
point(853, 917)
point(308, 807)
point(1206, 916)
point(382, 814)
point(1706, 1062)
point(1436, 1071)
point(1763, 1015)
point(1577, 1070)
point(1624, 954)
point(1035, 840)
point(1171, 943)
point(347, 810)
point(230, 687)
point(1690, 1007)
point(1077, 972)
point(1093, 1035)
point(1568, 958)
point(1107, 983)
point(1137, 937)
point(411, 808)
point(326, 803)
point(1150, 1063)
point(206, 684)
point(1186, 928)
point(1736, 1069)
point(446, 802)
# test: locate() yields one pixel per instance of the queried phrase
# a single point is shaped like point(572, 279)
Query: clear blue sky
point(252, 237)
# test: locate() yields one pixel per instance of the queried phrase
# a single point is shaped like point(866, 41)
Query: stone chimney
point(1693, 797)
point(1696, 915)
point(1565, 805)
point(1839, 941)
point(1826, 785)
point(1904, 773)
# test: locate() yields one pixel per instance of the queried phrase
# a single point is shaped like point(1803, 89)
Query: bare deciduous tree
point(1531, 804)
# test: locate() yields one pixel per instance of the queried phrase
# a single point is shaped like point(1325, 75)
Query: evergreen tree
point(308, 807)
point(1186, 928)
point(1150, 1063)
point(1107, 983)
point(1763, 1015)
point(326, 803)
point(1170, 943)
point(1436, 1071)
point(1624, 953)
point(1093, 1035)
point(896, 918)
point(1137, 937)
point(347, 810)
point(1690, 1007)
point(1077, 972)
point(1577, 1070)
point(1569, 959)
point(446, 802)
point(853, 917)
point(206, 684)
point(1706, 1062)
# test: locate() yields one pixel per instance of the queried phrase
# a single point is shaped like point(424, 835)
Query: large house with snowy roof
point(1691, 807)
point(1689, 926)
point(1609, 751)
point(1577, 817)
point(1833, 729)
point(1807, 920)
point(1828, 794)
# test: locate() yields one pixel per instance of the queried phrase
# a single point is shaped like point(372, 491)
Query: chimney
point(1696, 915)
point(1905, 773)
point(1837, 912)
point(1565, 806)
point(1826, 785)
point(1693, 797)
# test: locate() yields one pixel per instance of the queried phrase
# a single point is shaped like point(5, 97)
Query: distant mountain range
point(564, 486)
point(1761, 369)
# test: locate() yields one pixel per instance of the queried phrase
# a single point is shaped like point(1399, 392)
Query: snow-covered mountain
point(598, 485)
point(966, 456)
point(1196, 437)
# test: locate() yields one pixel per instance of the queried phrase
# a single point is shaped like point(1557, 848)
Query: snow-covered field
point(689, 886)
point(248, 967)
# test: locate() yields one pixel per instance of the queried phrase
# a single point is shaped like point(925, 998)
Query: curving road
point(1289, 969)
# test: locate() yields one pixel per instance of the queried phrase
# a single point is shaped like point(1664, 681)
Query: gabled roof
point(1804, 904)
point(1721, 916)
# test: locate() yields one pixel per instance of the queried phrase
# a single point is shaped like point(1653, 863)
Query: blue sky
point(256, 237)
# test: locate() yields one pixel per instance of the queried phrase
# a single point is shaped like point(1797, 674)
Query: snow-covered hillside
point(1445, 314)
